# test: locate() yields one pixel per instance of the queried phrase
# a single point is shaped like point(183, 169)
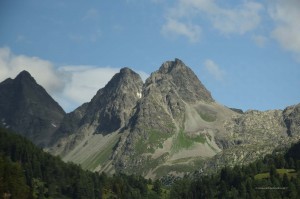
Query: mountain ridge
point(169, 124)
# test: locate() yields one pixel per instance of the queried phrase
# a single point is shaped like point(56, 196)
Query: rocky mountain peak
point(122, 81)
point(28, 109)
point(24, 75)
point(176, 75)
point(168, 66)
point(111, 107)
point(126, 70)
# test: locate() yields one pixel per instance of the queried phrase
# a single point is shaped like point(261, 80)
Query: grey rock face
point(176, 76)
point(169, 124)
point(112, 106)
point(28, 109)
point(254, 134)
point(160, 113)
point(107, 112)
point(292, 120)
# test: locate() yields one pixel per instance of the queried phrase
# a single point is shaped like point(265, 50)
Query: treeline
point(275, 176)
point(26, 171)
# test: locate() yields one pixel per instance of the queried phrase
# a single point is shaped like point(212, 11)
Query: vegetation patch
point(182, 141)
point(101, 157)
point(208, 117)
point(289, 172)
point(149, 145)
point(180, 168)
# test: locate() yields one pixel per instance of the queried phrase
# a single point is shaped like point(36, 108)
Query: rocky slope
point(28, 109)
point(174, 122)
point(255, 134)
point(88, 134)
point(168, 125)
point(169, 119)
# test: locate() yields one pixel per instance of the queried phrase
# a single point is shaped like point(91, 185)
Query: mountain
point(26, 172)
point(89, 133)
point(174, 123)
point(168, 125)
point(28, 109)
point(250, 136)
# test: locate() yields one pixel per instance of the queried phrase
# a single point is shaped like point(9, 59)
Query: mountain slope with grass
point(27, 172)
point(171, 125)
point(168, 125)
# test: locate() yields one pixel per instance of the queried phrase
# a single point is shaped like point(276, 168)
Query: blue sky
point(247, 53)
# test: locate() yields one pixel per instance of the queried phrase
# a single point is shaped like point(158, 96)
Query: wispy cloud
point(214, 70)
point(175, 28)
point(69, 85)
point(84, 81)
point(43, 70)
point(185, 17)
point(286, 15)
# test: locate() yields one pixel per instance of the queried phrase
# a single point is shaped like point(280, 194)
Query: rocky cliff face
point(28, 109)
point(170, 95)
point(254, 134)
point(291, 117)
point(101, 119)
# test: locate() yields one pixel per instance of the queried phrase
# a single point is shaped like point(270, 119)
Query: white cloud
point(286, 15)
point(239, 19)
point(214, 70)
point(43, 71)
point(70, 86)
point(175, 28)
point(85, 81)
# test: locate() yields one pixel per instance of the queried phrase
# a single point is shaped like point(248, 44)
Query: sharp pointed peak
point(168, 66)
point(24, 75)
point(126, 70)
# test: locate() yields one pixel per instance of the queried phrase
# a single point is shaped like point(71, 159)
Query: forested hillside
point(275, 176)
point(28, 172)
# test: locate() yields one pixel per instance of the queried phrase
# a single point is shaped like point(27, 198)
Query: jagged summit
point(168, 66)
point(126, 70)
point(169, 124)
point(24, 74)
point(111, 107)
point(109, 110)
point(122, 80)
point(28, 109)
point(175, 75)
